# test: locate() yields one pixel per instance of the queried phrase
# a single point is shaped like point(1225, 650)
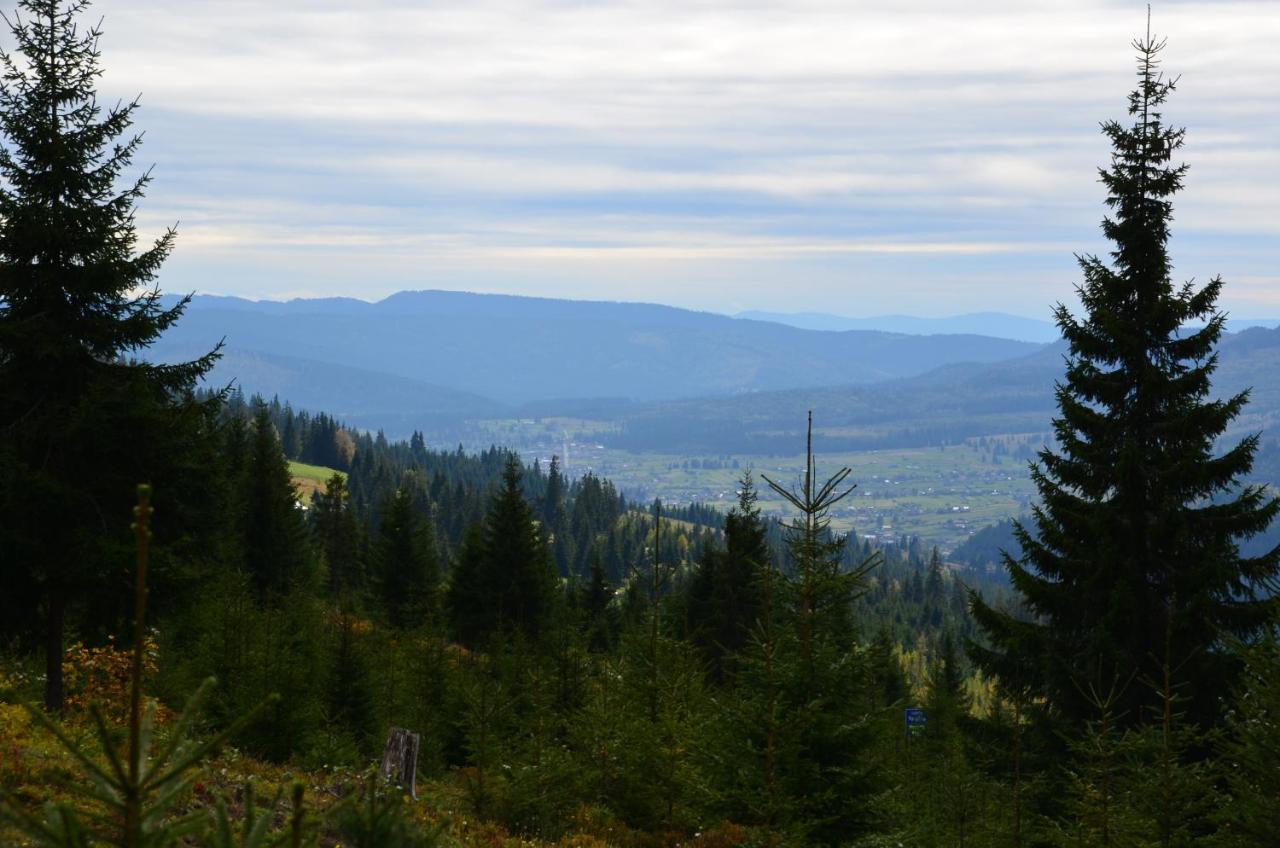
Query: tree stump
point(400, 759)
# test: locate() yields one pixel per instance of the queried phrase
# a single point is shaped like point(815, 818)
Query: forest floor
point(36, 771)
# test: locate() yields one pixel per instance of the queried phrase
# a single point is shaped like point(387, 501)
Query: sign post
point(917, 720)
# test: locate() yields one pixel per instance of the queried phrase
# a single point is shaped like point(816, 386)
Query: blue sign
point(917, 720)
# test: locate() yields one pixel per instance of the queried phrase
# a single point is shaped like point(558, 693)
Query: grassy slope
point(309, 479)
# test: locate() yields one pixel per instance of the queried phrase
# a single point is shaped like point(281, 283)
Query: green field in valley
point(308, 479)
point(942, 494)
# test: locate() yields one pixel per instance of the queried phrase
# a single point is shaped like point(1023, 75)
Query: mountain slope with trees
point(521, 349)
point(949, 404)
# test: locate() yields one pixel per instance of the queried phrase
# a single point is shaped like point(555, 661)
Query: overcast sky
point(851, 157)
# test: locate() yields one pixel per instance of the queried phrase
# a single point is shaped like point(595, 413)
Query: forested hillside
point(923, 390)
point(949, 404)
point(356, 608)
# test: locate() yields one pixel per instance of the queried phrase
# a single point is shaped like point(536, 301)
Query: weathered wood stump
point(400, 759)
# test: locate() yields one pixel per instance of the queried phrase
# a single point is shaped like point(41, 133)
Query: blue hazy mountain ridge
point(947, 404)
point(998, 324)
point(351, 394)
point(515, 350)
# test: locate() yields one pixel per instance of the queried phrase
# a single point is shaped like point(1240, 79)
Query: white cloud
point(819, 140)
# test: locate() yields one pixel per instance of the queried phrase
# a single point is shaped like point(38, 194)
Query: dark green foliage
point(485, 720)
point(1100, 808)
point(376, 818)
point(724, 594)
point(467, 596)
point(797, 736)
point(595, 607)
point(543, 784)
point(274, 539)
point(660, 784)
point(1176, 788)
point(132, 788)
point(593, 521)
point(818, 590)
point(1134, 552)
point(350, 712)
point(886, 682)
point(945, 699)
point(504, 578)
point(405, 564)
point(337, 532)
point(81, 420)
point(950, 795)
point(555, 521)
point(1251, 813)
point(280, 651)
point(433, 699)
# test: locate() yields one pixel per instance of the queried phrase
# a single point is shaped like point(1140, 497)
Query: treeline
point(580, 519)
point(722, 680)
point(710, 677)
point(556, 648)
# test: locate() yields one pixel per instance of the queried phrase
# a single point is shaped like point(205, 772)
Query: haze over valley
point(938, 426)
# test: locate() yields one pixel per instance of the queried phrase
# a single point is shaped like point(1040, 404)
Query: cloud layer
point(854, 158)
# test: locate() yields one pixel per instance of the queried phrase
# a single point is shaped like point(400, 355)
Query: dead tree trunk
point(400, 759)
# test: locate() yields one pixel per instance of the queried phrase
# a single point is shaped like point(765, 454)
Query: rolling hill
point(950, 403)
point(514, 350)
point(1001, 325)
point(665, 378)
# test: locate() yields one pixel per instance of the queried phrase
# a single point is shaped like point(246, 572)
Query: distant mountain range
point(437, 353)
point(998, 324)
point(668, 379)
point(1001, 325)
point(948, 404)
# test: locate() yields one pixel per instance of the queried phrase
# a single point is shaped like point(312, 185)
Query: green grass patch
point(318, 473)
point(309, 479)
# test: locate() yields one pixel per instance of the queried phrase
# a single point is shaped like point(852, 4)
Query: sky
point(855, 157)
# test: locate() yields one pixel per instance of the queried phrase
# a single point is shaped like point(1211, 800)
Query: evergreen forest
point(196, 652)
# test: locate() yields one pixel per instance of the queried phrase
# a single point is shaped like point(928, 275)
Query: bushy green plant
point(377, 818)
point(132, 800)
point(133, 786)
point(253, 830)
point(1250, 814)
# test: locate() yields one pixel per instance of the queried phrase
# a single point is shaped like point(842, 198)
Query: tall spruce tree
point(1132, 555)
point(406, 567)
point(725, 593)
point(503, 577)
point(516, 563)
point(82, 422)
point(555, 522)
point(466, 598)
point(337, 534)
point(277, 554)
point(801, 720)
